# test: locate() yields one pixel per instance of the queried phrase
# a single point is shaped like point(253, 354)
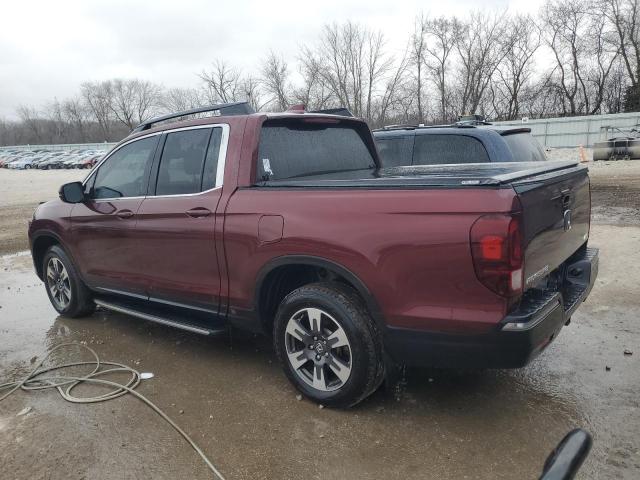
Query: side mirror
point(72, 192)
point(565, 460)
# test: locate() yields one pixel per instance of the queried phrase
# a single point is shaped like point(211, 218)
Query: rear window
point(524, 147)
point(290, 149)
point(395, 151)
point(446, 149)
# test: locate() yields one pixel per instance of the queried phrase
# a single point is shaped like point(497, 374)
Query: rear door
point(177, 218)
point(107, 246)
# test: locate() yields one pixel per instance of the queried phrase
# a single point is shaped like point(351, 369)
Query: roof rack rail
point(407, 126)
point(342, 111)
point(222, 109)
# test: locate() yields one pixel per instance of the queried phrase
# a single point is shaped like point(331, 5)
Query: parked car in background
point(53, 162)
point(91, 160)
point(46, 159)
point(23, 163)
point(407, 145)
point(18, 160)
point(296, 230)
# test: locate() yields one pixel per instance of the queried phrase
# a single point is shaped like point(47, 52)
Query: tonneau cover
point(454, 175)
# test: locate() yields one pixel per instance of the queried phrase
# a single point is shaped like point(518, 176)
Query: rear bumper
point(518, 339)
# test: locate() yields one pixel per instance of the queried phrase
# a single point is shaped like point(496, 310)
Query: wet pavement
point(238, 406)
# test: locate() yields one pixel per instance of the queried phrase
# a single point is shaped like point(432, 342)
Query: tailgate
point(556, 210)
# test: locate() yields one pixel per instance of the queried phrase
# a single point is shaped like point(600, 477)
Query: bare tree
point(222, 84)
point(351, 62)
point(76, 114)
point(180, 99)
point(314, 92)
point(481, 45)
point(57, 122)
point(602, 55)
point(624, 15)
point(133, 101)
point(441, 42)
point(251, 92)
point(516, 69)
point(417, 61)
point(31, 119)
point(565, 23)
point(98, 97)
point(275, 79)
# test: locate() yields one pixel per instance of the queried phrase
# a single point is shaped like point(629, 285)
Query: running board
point(123, 307)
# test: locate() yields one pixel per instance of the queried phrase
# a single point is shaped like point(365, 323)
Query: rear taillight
point(496, 248)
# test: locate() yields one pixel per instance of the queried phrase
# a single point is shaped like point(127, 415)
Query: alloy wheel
point(58, 283)
point(318, 349)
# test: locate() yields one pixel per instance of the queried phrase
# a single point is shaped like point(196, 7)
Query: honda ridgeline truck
point(285, 223)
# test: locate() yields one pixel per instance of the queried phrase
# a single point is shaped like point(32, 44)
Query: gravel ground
point(230, 395)
point(21, 191)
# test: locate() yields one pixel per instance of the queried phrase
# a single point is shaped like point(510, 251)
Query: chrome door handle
point(198, 212)
point(124, 214)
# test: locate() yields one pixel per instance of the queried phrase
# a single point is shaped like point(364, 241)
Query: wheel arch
point(306, 264)
point(40, 243)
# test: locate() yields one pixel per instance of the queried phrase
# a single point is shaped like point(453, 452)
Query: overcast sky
point(47, 48)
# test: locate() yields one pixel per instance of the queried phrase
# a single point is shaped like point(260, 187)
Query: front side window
point(293, 149)
point(125, 173)
point(436, 149)
point(182, 162)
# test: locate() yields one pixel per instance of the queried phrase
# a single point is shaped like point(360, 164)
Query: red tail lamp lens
point(496, 248)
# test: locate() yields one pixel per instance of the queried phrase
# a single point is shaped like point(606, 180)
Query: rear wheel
point(66, 291)
point(328, 344)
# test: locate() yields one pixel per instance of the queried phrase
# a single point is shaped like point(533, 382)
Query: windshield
point(290, 149)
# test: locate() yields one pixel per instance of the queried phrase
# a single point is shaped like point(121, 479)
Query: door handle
point(124, 214)
point(198, 212)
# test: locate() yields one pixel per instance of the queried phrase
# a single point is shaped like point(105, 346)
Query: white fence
point(576, 131)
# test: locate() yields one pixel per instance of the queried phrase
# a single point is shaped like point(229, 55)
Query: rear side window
point(525, 148)
point(297, 149)
point(447, 149)
point(182, 162)
point(395, 151)
point(125, 173)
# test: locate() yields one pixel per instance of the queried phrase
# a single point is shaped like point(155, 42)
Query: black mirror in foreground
point(72, 192)
point(567, 457)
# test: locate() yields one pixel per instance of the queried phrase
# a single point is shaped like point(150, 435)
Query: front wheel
point(328, 344)
point(67, 292)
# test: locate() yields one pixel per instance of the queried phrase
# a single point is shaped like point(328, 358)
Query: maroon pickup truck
point(286, 224)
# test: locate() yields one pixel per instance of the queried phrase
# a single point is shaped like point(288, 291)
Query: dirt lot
point(239, 407)
point(20, 192)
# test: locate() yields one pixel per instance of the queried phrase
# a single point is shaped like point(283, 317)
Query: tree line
point(575, 57)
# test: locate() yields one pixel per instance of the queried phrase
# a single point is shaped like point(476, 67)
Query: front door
point(176, 222)
point(104, 226)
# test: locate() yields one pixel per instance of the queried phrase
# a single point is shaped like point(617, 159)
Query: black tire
point(81, 302)
point(345, 308)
